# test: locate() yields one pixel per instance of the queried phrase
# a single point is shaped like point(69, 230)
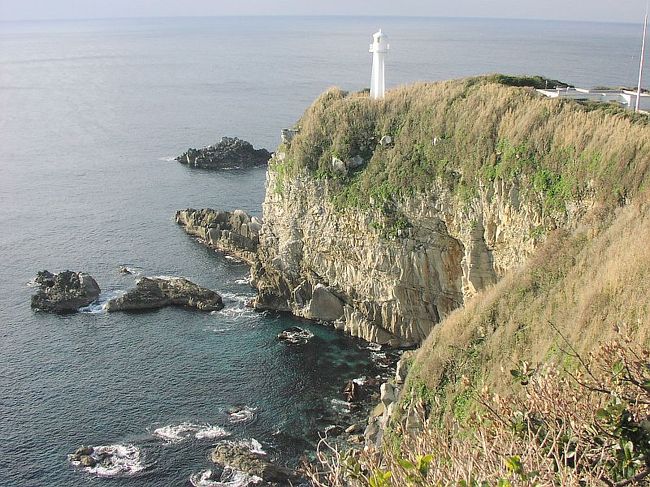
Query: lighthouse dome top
point(379, 35)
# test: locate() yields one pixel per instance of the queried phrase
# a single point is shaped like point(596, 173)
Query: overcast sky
point(599, 10)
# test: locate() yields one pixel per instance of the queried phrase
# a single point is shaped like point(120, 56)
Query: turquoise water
point(90, 115)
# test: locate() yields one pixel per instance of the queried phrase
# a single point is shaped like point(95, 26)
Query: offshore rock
point(229, 153)
point(240, 457)
point(233, 232)
point(64, 292)
point(158, 292)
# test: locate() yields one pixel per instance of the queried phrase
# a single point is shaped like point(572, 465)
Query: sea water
point(91, 115)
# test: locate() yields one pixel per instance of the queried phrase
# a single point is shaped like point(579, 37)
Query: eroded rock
point(64, 292)
point(229, 153)
point(234, 232)
point(242, 458)
point(158, 292)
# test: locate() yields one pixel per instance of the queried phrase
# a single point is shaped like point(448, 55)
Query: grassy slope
point(484, 131)
point(585, 284)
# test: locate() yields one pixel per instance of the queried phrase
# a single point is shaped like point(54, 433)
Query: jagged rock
point(402, 367)
point(388, 394)
point(87, 461)
point(64, 292)
point(352, 391)
point(156, 292)
point(240, 457)
point(229, 153)
point(233, 232)
point(295, 335)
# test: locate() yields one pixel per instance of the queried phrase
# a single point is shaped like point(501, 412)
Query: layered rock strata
point(158, 292)
point(229, 153)
point(384, 282)
point(234, 232)
point(64, 292)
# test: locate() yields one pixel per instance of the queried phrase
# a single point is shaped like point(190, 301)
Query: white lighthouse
point(378, 48)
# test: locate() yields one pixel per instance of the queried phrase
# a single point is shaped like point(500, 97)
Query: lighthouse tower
point(378, 48)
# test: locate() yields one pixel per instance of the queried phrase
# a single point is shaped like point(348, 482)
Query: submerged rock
point(158, 292)
point(64, 292)
point(243, 459)
point(229, 153)
point(295, 335)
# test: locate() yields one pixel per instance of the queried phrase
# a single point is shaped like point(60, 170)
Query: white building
point(379, 49)
point(625, 98)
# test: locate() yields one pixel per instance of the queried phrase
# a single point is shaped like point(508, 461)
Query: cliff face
point(321, 263)
point(384, 217)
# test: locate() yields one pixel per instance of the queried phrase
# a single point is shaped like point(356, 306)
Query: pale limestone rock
point(394, 290)
point(324, 305)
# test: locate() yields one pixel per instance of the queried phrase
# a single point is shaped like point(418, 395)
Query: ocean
point(91, 115)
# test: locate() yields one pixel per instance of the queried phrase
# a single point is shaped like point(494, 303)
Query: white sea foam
point(235, 305)
point(234, 259)
point(211, 432)
point(341, 406)
point(243, 281)
point(99, 305)
point(167, 158)
point(360, 380)
point(115, 461)
point(242, 415)
point(228, 478)
point(183, 431)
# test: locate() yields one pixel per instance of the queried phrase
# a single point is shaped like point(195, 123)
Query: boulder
point(158, 292)
point(386, 140)
point(324, 305)
point(339, 167)
point(229, 153)
point(64, 292)
point(243, 459)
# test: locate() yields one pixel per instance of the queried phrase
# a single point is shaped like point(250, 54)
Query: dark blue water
point(90, 113)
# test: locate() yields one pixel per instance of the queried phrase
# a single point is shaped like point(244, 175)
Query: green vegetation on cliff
point(465, 133)
point(507, 388)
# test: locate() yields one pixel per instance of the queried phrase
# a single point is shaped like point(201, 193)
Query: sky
point(589, 10)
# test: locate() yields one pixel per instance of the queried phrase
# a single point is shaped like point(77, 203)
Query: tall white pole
point(638, 89)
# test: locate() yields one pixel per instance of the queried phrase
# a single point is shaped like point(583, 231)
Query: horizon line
point(315, 16)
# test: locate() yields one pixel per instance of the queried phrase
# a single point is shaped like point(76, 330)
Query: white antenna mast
point(645, 31)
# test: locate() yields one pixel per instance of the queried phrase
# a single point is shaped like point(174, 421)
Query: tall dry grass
point(586, 428)
point(467, 131)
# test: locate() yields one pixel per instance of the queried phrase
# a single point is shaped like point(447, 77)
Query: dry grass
point(483, 131)
point(583, 429)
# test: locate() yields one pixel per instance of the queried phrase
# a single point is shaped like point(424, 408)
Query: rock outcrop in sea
point(64, 292)
point(241, 457)
point(158, 292)
point(229, 153)
point(234, 232)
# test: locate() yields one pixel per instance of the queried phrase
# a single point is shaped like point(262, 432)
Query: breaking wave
point(115, 461)
point(184, 431)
